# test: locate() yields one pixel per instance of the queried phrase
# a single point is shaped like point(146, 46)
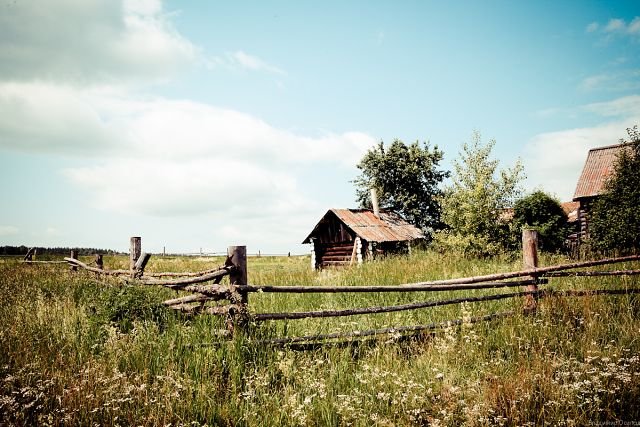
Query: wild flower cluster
point(597, 383)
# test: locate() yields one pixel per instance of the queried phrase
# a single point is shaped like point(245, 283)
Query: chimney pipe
point(374, 202)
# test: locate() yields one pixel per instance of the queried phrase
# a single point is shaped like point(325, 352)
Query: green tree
point(407, 179)
point(542, 212)
point(474, 205)
point(615, 218)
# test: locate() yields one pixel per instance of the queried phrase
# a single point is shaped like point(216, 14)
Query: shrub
point(544, 214)
point(121, 306)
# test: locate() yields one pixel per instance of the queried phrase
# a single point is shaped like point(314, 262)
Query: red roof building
point(598, 167)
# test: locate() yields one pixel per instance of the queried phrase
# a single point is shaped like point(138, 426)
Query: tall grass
point(75, 350)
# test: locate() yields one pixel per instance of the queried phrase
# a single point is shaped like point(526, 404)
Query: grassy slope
point(77, 351)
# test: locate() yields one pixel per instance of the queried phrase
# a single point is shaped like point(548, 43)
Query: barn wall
point(584, 213)
point(332, 230)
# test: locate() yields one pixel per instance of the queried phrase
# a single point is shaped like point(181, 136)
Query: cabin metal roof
point(598, 167)
point(390, 227)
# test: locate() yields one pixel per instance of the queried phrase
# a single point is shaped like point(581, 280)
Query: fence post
point(99, 262)
point(530, 261)
point(141, 264)
point(135, 249)
point(238, 277)
point(74, 255)
point(29, 255)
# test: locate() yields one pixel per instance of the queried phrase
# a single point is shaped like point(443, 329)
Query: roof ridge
point(610, 146)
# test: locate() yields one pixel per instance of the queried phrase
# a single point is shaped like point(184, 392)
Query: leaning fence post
point(29, 255)
point(141, 263)
point(74, 255)
point(530, 261)
point(238, 277)
point(135, 248)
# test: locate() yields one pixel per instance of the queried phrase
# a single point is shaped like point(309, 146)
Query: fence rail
point(205, 286)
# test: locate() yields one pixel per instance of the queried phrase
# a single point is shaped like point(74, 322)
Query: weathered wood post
point(141, 263)
point(29, 255)
point(135, 249)
point(74, 255)
point(530, 261)
point(99, 262)
point(238, 277)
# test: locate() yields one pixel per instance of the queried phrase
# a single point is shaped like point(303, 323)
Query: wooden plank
point(179, 283)
point(384, 288)
point(384, 331)
point(385, 309)
point(593, 273)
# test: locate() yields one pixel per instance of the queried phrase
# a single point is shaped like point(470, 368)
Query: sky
point(198, 125)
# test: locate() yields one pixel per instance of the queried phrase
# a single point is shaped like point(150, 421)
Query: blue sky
point(207, 124)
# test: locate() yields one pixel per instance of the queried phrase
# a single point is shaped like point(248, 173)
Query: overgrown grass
point(78, 351)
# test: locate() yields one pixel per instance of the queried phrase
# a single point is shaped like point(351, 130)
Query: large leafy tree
point(542, 212)
point(474, 205)
point(406, 179)
point(615, 218)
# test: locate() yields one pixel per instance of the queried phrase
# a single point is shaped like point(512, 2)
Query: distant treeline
point(22, 250)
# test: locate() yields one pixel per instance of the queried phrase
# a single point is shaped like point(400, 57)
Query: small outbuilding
point(599, 166)
point(350, 236)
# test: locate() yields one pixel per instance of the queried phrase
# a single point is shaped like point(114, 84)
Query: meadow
point(75, 350)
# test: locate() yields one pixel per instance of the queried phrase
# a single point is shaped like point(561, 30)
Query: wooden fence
point(236, 292)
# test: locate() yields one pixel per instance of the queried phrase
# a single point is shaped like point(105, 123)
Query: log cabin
point(345, 237)
point(598, 167)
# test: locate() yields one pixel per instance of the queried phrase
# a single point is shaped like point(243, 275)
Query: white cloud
point(634, 26)
point(627, 106)
point(616, 26)
point(71, 76)
point(71, 121)
point(90, 41)
point(593, 27)
point(165, 157)
point(8, 230)
point(240, 60)
point(554, 160)
point(620, 81)
point(252, 62)
point(53, 118)
point(209, 186)
point(592, 82)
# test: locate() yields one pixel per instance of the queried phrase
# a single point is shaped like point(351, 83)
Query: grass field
point(78, 351)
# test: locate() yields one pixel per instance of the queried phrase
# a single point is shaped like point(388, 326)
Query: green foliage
point(406, 178)
point(615, 222)
point(473, 204)
point(123, 305)
point(575, 359)
point(543, 213)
